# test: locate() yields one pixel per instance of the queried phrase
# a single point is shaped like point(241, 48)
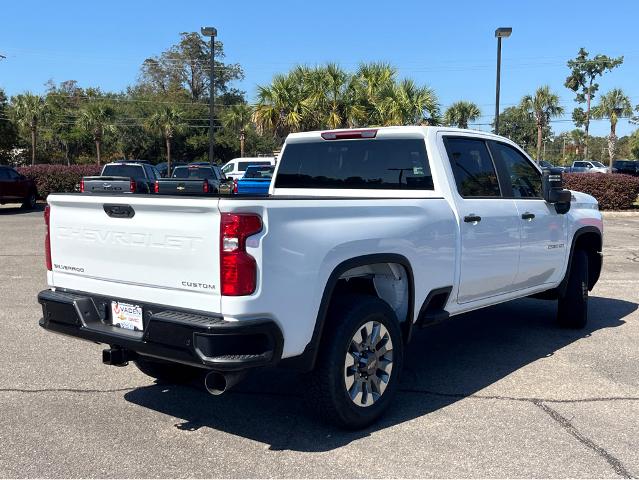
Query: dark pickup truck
point(192, 179)
point(122, 177)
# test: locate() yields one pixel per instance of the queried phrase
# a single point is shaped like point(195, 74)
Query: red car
point(16, 188)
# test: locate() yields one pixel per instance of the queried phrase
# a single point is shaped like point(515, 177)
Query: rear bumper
point(185, 336)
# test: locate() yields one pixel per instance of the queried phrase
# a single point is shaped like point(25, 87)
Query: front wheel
point(30, 202)
point(573, 304)
point(359, 363)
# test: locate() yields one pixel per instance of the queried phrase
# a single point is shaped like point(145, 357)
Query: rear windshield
point(131, 171)
point(241, 166)
point(259, 172)
point(193, 172)
point(396, 164)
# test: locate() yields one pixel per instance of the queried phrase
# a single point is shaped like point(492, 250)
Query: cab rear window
point(132, 171)
point(392, 164)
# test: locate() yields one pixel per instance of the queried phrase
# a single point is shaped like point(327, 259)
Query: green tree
point(519, 125)
point(613, 105)
point(30, 111)
point(281, 106)
point(460, 113)
point(238, 119)
point(8, 131)
point(544, 105)
point(184, 67)
point(584, 70)
point(409, 104)
point(634, 144)
point(97, 118)
point(167, 121)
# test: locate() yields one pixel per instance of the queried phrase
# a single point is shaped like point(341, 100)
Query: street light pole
point(211, 32)
point(502, 32)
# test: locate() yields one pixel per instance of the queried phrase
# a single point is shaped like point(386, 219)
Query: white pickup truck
point(364, 236)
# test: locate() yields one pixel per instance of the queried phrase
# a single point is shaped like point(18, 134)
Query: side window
point(473, 167)
point(4, 174)
point(228, 168)
point(525, 180)
point(149, 172)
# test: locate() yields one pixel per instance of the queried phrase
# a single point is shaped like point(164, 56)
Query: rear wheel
point(30, 202)
point(168, 372)
point(573, 304)
point(359, 363)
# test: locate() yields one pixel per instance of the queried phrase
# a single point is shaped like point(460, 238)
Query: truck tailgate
point(144, 248)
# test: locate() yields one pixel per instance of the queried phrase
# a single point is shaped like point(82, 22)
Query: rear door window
point(472, 166)
point(395, 164)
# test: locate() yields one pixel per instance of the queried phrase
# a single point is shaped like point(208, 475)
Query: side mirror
point(553, 190)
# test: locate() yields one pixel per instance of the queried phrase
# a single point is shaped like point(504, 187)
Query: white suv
point(235, 168)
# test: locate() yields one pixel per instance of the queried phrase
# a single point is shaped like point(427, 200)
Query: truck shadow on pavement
point(15, 209)
point(444, 363)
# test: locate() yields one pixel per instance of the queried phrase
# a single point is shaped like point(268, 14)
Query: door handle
point(472, 218)
point(527, 216)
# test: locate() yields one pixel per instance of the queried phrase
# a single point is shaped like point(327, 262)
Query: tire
point(167, 372)
point(30, 202)
point(375, 379)
point(573, 304)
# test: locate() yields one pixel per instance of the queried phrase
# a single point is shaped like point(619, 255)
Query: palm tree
point(460, 113)
point(544, 106)
point(30, 110)
point(238, 118)
point(613, 105)
point(281, 106)
point(96, 119)
point(407, 104)
point(167, 121)
point(374, 82)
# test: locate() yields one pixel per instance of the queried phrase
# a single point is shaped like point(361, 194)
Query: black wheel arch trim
point(306, 360)
point(598, 265)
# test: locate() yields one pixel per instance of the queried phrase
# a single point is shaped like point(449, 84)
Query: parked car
point(629, 167)
point(122, 177)
point(16, 188)
point(256, 180)
point(545, 164)
point(235, 168)
point(194, 178)
point(363, 238)
point(588, 166)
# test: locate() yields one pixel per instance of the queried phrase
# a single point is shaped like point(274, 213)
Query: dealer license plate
point(126, 315)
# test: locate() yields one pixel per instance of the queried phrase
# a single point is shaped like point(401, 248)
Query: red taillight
point(156, 188)
point(82, 185)
point(205, 186)
point(235, 185)
point(132, 186)
point(349, 134)
point(238, 270)
point(47, 238)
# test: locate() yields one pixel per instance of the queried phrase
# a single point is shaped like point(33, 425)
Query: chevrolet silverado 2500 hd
point(365, 235)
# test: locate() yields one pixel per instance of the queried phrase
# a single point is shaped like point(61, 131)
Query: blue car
point(256, 180)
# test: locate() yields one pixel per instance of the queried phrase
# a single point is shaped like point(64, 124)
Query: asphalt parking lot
point(497, 393)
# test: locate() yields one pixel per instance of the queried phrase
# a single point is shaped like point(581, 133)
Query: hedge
point(613, 191)
point(57, 178)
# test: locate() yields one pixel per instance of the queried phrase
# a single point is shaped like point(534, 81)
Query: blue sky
point(447, 45)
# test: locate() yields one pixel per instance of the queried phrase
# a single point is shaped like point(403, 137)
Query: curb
point(619, 214)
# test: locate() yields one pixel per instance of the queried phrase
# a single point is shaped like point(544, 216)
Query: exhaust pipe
point(216, 383)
